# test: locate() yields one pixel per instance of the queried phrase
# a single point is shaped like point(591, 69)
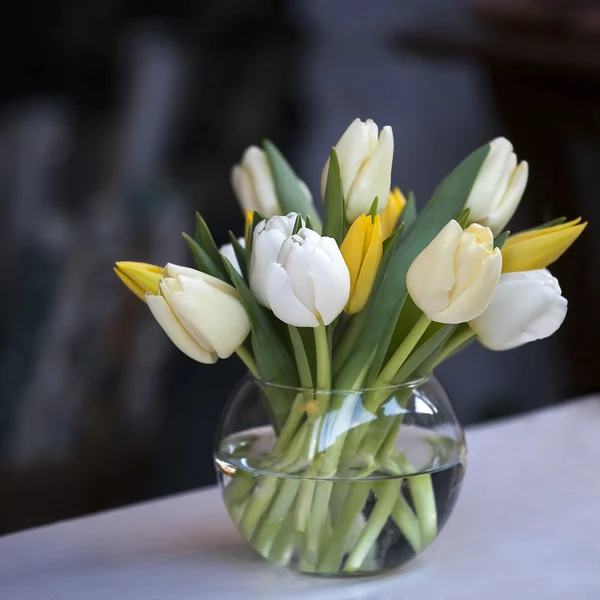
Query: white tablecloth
point(527, 525)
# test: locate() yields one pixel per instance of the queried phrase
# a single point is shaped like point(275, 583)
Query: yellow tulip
point(139, 277)
point(248, 223)
point(539, 248)
point(392, 212)
point(362, 250)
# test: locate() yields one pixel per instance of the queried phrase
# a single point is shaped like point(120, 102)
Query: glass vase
point(340, 482)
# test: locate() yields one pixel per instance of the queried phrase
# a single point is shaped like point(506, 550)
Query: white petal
point(207, 313)
point(527, 306)
point(284, 303)
point(256, 164)
point(178, 335)
point(229, 253)
point(498, 220)
point(373, 179)
point(172, 270)
point(295, 258)
point(265, 249)
point(331, 280)
point(242, 187)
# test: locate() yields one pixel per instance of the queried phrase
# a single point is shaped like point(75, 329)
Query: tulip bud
point(526, 306)
point(266, 243)
point(253, 184)
point(139, 277)
point(228, 252)
point(539, 248)
point(200, 313)
point(454, 278)
point(365, 158)
point(362, 250)
point(392, 212)
point(309, 282)
point(498, 188)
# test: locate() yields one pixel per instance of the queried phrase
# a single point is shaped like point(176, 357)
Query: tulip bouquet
point(360, 296)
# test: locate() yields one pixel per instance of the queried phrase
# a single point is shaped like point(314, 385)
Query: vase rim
point(411, 383)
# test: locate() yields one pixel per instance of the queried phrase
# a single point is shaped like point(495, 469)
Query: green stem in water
point(389, 492)
point(248, 360)
point(403, 351)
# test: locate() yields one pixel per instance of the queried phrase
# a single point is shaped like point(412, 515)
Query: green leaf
point(334, 208)
point(297, 225)
point(391, 241)
point(308, 223)
point(275, 364)
point(203, 261)
point(500, 240)
point(552, 223)
point(290, 194)
point(409, 214)
point(429, 346)
point(409, 315)
point(373, 210)
point(463, 218)
point(204, 239)
point(389, 290)
point(256, 219)
point(240, 254)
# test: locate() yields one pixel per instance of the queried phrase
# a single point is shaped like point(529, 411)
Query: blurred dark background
point(119, 119)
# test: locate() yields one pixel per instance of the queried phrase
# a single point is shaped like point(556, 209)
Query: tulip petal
point(331, 280)
point(392, 212)
point(373, 178)
point(143, 275)
point(256, 164)
point(499, 218)
point(131, 285)
point(178, 335)
point(265, 249)
point(476, 298)
point(242, 188)
point(282, 300)
point(526, 307)
point(352, 248)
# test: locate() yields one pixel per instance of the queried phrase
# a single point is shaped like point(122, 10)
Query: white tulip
point(498, 188)
point(365, 158)
point(201, 314)
point(267, 240)
point(526, 306)
point(309, 281)
point(253, 183)
point(454, 278)
point(228, 252)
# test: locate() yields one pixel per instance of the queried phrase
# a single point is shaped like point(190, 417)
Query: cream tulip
point(201, 314)
point(498, 188)
point(253, 184)
point(228, 252)
point(526, 306)
point(454, 278)
point(365, 157)
point(309, 282)
point(267, 240)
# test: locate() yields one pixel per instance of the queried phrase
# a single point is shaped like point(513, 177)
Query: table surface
point(527, 525)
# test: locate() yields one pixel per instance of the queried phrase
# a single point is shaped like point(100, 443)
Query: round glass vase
point(340, 482)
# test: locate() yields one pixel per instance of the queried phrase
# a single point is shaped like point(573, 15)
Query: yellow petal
point(368, 270)
point(392, 212)
point(352, 247)
point(537, 249)
point(139, 277)
point(249, 217)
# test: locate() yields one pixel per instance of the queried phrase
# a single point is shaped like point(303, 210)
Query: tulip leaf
point(500, 240)
point(334, 207)
point(552, 223)
point(308, 223)
point(297, 225)
point(275, 364)
point(463, 218)
point(409, 214)
point(291, 196)
point(240, 254)
point(429, 346)
point(203, 261)
point(392, 239)
point(373, 210)
point(389, 290)
point(204, 238)
point(256, 219)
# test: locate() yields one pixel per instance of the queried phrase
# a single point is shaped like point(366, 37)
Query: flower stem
point(248, 360)
point(403, 351)
point(461, 336)
point(323, 357)
point(304, 373)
